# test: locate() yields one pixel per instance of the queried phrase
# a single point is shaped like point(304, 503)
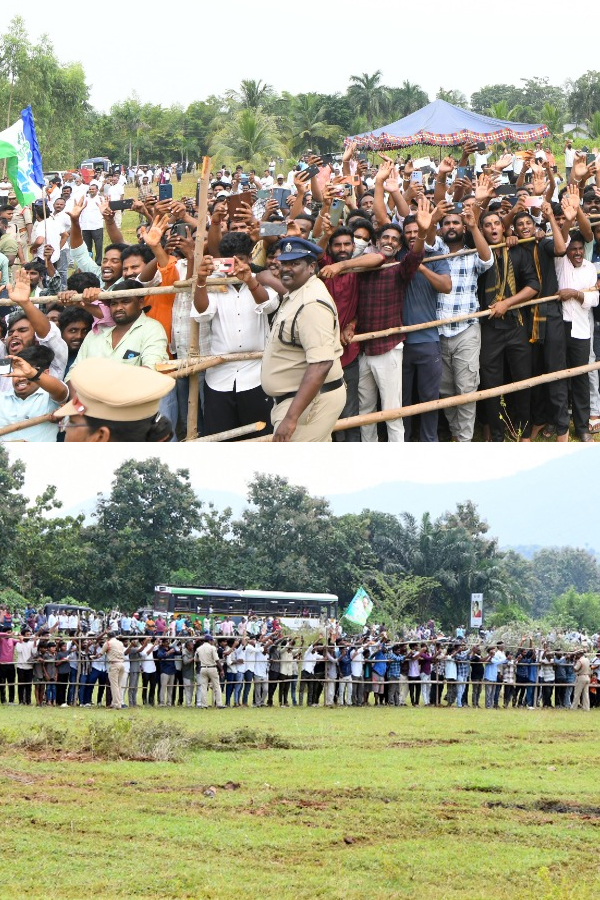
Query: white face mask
point(359, 246)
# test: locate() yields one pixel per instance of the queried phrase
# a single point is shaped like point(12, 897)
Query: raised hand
point(20, 291)
point(447, 165)
point(423, 216)
point(349, 151)
point(75, 212)
point(153, 235)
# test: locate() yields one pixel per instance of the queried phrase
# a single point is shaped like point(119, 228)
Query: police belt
point(330, 386)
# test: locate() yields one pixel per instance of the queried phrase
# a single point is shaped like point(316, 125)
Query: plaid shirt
point(462, 299)
point(380, 299)
point(394, 663)
point(463, 666)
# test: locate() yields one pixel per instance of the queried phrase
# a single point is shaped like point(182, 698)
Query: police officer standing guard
point(301, 366)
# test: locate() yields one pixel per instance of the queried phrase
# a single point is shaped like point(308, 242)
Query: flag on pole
point(360, 608)
point(19, 147)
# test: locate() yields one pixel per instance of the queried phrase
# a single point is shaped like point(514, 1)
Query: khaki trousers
point(212, 676)
point(317, 420)
point(115, 675)
point(582, 692)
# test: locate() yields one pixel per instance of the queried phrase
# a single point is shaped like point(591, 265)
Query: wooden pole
point(183, 368)
point(232, 433)
point(27, 423)
point(388, 415)
point(194, 380)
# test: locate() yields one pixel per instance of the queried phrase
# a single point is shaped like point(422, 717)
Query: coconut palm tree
point(593, 126)
point(252, 94)
point(552, 119)
point(368, 94)
point(500, 110)
point(406, 99)
point(249, 136)
point(307, 126)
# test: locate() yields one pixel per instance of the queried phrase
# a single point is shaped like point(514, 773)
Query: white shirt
point(569, 157)
point(147, 659)
point(116, 192)
point(480, 160)
point(73, 622)
point(50, 231)
point(579, 279)
point(238, 325)
point(91, 217)
point(249, 658)
point(357, 663)
point(261, 663)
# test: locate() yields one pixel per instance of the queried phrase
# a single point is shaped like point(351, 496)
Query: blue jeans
point(51, 693)
point(72, 685)
point(95, 675)
point(248, 678)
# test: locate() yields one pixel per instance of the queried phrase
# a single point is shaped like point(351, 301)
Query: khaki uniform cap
point(110, 390)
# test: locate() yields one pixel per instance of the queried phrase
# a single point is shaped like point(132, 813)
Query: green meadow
point(300, 803)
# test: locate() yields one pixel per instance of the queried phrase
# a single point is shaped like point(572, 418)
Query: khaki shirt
point(115, 651)
point(582, 666)
point(21, 218)
point(207, 656)
point(305, 330)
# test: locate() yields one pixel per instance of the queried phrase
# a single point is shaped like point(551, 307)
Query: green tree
point(405, 100)
point(485, 98)
point(13, 505)
point(575, 610)
point(306, 125)
point(368, 94)
point(456, 98)
point(552, 117)
point(252, 94)
point(142, 532)
point(584, 96)
point(557, 569)
point(287, 539)
point(500, 110)
point(249, 136)
point(593, 126)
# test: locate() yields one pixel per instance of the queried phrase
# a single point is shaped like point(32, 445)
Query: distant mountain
point(555, 504)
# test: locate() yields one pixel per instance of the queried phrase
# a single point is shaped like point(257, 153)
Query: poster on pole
point(476, 610)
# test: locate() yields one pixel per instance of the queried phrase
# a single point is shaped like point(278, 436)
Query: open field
point(309, 803)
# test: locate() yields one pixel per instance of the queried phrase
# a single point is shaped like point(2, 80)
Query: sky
point(195, 50)
point(80, 473)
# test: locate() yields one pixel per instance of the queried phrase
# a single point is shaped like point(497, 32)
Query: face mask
point(359, 246)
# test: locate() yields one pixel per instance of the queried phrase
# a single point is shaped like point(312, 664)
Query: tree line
point(251, 123)
point(153, 529)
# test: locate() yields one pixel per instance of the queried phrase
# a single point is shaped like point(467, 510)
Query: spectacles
point(66, 423)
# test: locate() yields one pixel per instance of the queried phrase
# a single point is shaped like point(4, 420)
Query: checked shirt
point(462, 299)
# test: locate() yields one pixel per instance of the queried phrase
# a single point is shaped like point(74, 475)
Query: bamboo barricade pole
point(228, 435)
point(27, 423)
point(183, 368)
point(194, 350)
point(402, 412)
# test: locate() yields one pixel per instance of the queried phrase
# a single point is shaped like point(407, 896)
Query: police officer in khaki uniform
point(112, 402)
point(301, 366)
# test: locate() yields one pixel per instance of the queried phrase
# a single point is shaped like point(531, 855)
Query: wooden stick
point(389, 415)
point(27, 423)
point(232, 433)
point(194, 350)
point(201, 364)
point(184, 367)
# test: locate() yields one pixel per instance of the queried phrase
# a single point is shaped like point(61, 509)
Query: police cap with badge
point(297, 248)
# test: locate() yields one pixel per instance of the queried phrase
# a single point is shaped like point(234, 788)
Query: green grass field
point(308, 803)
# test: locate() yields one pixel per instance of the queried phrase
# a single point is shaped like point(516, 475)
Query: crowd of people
point(338, 247)
point(129, 660)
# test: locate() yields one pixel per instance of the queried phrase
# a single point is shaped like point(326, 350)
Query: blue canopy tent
point(443, 125)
